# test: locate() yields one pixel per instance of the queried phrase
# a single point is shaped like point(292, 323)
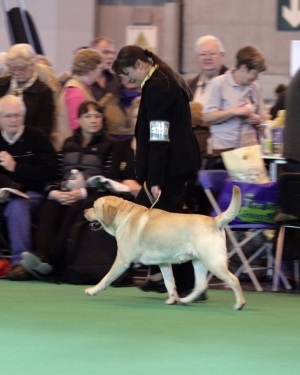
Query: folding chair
point(212, 182)
point(289, 200)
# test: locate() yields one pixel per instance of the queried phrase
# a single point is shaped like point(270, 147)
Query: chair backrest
point(289, 193)
point(212, 179)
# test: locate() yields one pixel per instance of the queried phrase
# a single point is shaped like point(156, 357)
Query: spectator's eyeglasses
point(19, 69)
point(12, 115)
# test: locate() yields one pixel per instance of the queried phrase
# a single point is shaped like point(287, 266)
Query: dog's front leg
point(166, 270)
point(117, 269)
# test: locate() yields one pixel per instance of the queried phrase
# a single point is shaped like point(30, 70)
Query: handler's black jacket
point(164, 100)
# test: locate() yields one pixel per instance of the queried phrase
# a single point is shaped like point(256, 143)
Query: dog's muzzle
point(95, 225)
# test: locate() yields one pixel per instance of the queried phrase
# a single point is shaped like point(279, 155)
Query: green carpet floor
point(56, 329)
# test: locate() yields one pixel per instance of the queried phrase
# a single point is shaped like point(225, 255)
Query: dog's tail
point(233, 209)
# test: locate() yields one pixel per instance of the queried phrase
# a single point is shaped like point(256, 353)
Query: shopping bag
point(260, 202)
point(245, 164)
point(5, 268)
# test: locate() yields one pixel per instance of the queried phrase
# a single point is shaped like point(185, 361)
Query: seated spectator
point(280, 93)
point(85, 70)
point(233, 106)
point(27, 162)
point(23, 82)
point(88, 150)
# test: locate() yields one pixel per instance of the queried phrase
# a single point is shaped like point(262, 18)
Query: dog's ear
point(108, 213)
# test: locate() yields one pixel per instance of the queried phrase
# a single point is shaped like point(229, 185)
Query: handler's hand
point(155, 191)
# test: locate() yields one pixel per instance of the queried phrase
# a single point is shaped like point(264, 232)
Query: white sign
point(142, 36)
point(294, 57)
point(291, 13)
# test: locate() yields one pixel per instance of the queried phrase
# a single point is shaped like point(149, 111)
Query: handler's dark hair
point(128, 56)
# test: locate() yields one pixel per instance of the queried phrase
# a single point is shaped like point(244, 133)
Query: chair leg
point(296, 273)
point(270, 260)
point(270, 265)
point(267, 248)
point(278, 258)
point(261, 250)
point(241, 255)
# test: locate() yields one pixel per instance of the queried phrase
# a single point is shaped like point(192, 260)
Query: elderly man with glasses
point(27, 163)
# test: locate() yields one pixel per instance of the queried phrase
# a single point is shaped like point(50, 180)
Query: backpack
point(90, 254)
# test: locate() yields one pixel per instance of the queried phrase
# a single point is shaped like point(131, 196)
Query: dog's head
point(104, 212)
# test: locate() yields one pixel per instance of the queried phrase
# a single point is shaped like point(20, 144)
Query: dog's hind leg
point(200, 282)
point(117, 269)
point(166, 270)
point(225, 275)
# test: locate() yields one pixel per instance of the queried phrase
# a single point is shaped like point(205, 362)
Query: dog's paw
point(172, 300)
point(90, 292)
point(183, 301)
point(239, 307)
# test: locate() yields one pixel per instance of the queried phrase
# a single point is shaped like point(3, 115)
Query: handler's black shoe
point(154, 286)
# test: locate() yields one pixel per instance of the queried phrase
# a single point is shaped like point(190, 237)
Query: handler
point(167, 154)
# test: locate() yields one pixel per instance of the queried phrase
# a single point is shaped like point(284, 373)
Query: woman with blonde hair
point(85, 70)
point(23, 81)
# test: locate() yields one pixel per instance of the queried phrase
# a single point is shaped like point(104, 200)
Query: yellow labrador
point(153, 236)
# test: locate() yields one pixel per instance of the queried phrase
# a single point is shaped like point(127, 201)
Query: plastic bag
point(245, 164)
point(260, 202)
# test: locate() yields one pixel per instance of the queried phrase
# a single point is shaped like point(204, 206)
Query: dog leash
point(95, 225)
point(150, 196)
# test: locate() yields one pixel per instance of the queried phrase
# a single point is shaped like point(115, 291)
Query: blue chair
point(212, 182)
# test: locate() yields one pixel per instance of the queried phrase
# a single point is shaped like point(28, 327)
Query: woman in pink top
point(85, 70)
